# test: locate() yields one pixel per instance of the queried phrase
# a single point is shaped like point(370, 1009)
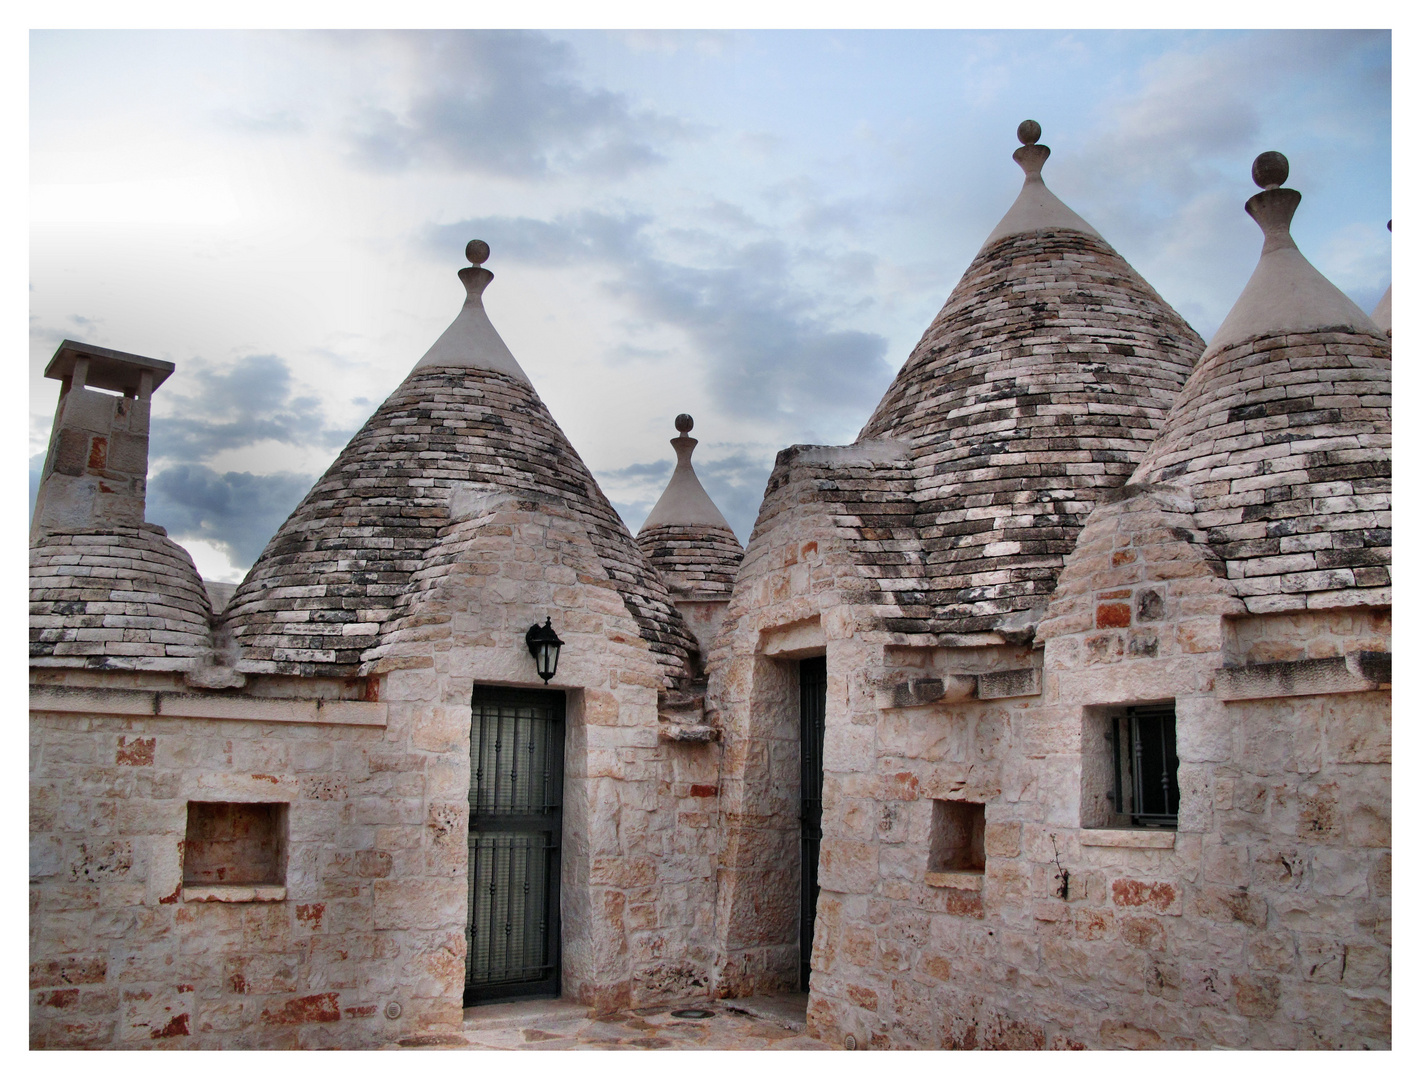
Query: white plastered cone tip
point(1286, 294)
point(684, 502)
point(1036, 208)
point(471, 341)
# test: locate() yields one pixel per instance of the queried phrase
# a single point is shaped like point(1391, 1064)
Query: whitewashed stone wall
point(377, 860)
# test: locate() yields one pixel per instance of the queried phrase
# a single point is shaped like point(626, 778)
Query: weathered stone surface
point(352, 556)
point(116, 598)
point(1001, 483)
point(1288, 436)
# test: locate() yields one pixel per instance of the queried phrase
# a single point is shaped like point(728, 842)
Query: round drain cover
point(692, 1014)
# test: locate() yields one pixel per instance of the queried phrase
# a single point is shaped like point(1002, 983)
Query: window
point(235, 851)
point(1145, 766)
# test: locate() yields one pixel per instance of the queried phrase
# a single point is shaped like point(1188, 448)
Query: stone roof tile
point(335, 556)
point(112, 597)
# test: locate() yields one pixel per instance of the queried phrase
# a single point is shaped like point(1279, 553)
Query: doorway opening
point(813, 687)
point(512, 936)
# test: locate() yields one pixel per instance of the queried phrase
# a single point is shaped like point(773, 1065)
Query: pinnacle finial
point(684, 423)
point(1270, 170)
point(1028, 132)
point(476, 252)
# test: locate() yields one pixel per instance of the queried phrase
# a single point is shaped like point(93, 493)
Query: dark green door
point(515, 830)
point(813, 684)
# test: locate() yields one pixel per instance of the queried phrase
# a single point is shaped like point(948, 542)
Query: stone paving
point(745, 1024)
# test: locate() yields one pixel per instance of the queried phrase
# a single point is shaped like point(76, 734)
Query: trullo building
point(1054, 711)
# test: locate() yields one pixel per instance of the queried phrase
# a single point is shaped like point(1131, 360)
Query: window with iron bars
point(1146, 766)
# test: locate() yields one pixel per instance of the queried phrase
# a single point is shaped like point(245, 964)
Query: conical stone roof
point(1039, 386)
point(116, 598)
point(327, 589)
point(1282, 435)
point(685, 536)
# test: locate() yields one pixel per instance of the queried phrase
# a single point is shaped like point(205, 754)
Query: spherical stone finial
point(476, 252)
point(1270, 169)
point(684, 423)
point(1027, 132)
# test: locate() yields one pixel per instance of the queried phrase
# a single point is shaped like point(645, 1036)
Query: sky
point(753, 227)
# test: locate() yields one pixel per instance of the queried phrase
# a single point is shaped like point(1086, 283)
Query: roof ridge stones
point(1283, 437)
point(1038, 388)
point(326, 590)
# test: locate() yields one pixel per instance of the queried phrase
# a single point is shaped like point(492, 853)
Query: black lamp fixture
point(543, 643)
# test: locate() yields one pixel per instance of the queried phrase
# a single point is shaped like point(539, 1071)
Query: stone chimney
point(96, 472)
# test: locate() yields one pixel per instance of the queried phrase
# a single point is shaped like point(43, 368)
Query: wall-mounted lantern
point(543, 643)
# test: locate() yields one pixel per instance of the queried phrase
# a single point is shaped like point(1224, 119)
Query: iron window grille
point(1143, 742)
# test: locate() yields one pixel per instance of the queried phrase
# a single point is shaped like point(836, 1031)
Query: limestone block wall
point(375, 896)
point(639, 839)
point(119, 958)
point(790, 603)
point(1262, 921)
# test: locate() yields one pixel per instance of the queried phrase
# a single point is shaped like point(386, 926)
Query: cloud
point(235, 511)
point(1167, 169)
point(671, 42)
point(251, 401)
point(770, 345)
point(735, 482)
point(239, 411)
point(261, 121)
point(586, 236)
point(502, 103)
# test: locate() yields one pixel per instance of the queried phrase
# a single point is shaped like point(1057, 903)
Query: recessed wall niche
point(957, 842)
point(235, 844)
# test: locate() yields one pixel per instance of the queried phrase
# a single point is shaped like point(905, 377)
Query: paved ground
point(764, 1023)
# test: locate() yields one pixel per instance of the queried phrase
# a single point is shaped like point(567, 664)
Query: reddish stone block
point(703, 791)
point(137, 752)
point(1160, 896)
point(962, 902)
point(312, 1009)
point(902, 787)
point(374, 864)
point(72, 972)
point(1111, 615)
point(178, 1025)
point(99, 453)
point(1257, 995)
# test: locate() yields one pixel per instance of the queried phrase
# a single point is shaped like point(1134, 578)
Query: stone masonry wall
point(790, 603)
point(639, 840)
point(376, 883)
point(1262, 921)
point(118, 960)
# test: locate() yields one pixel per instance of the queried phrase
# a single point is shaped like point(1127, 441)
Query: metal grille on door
point(515, 829)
